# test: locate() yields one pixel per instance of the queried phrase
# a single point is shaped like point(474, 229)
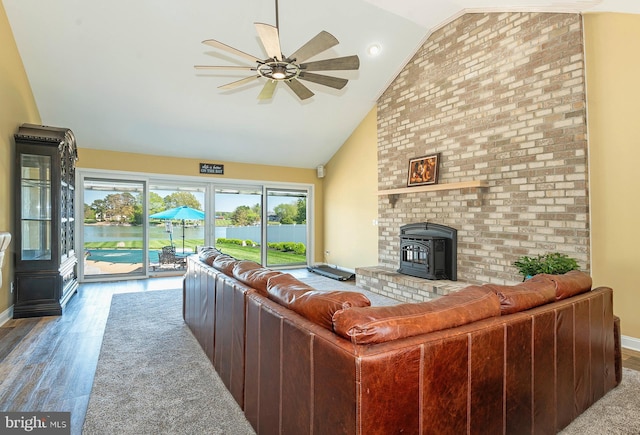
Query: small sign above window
point(211, 168)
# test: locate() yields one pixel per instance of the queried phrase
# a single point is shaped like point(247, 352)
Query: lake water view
point(122, 233)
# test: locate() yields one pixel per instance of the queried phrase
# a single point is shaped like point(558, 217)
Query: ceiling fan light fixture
point(279, 72)
point(290, 70)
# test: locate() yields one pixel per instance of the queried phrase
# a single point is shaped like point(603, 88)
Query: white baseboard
point(630, 343)
point(6, 315)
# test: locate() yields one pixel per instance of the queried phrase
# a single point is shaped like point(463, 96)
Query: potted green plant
point(553, 263)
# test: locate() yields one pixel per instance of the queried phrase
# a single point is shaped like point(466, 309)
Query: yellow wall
point(351, 200)
point(130, 162)
point(17, 106)
point(613, 93)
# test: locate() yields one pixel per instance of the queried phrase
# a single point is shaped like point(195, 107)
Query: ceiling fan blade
point(225, 47)
point(335, 64)
point(333, 82)
point(300, 90)
point(237, 83)
point(316, 45)
point(267, 90)
point(270, 40)
point(237, 68)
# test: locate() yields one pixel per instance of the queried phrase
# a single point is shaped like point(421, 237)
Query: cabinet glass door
point(36, 207)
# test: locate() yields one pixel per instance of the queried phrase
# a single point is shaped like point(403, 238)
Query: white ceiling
point(120, 73)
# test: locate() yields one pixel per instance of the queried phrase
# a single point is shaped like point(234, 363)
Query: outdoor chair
point(168, 257)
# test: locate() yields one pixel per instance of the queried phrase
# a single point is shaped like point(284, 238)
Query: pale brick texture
point(501, 97)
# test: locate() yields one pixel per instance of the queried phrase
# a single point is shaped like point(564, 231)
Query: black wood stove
point(428, 251)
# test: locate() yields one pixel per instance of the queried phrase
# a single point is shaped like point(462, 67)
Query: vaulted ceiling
point(121, 74)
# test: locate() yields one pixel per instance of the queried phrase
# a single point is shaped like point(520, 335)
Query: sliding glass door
point(176, 224)
point(148, 226)
point(286, 232)
point(238, 221)
point(240, 228)
point(112, 232)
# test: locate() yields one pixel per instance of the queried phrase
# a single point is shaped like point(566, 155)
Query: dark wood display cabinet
point(46, 262)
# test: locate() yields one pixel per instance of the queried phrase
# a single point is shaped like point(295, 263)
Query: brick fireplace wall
point(501, 97)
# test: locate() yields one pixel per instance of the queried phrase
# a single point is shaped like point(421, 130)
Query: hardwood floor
point(47, 364)
point(630, 359)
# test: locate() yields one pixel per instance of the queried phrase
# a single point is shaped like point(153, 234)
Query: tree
point(136, 218)
point(257, 209)
point(156, 203)
point(301, 217)
point(120, 206)
point(117, 207)
point(89, 213)
point(286, 213)
point(178, 199)
point(98, 206)
point(244, 216)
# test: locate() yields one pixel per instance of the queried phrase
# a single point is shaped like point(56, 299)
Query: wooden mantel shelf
point(433, 187)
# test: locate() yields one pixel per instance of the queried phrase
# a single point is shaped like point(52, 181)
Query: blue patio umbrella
point(180, 213)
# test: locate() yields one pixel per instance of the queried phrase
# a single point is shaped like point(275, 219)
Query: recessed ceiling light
point(374, 50)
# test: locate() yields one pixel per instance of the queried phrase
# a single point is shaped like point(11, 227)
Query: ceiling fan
point(288, 69)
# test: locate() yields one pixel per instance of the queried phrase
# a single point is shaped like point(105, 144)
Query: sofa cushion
point(381, 324)
point(207, 248)
point(242, 266)
point(224, 263)
point(320, 306)
point(208, 254)
point(253, 275)
point(569, 284)
point(315, 305)
point(284, 288)
point(528, 294)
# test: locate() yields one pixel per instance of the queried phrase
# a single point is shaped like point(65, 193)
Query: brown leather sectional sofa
point(487, 359)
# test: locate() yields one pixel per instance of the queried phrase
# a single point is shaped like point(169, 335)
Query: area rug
point(153, 378)
point(617, 413)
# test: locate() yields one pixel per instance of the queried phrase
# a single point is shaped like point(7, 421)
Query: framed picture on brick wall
point(423, 170)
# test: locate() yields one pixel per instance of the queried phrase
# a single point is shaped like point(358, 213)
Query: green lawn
point(253, 254)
